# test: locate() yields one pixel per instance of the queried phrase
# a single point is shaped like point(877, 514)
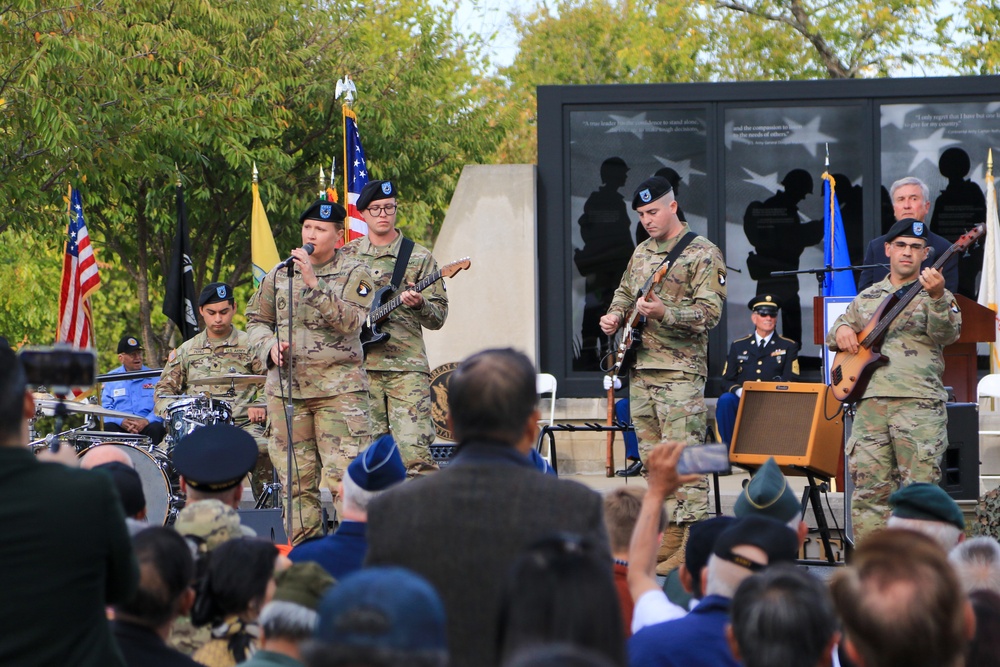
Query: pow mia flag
point(178, 301)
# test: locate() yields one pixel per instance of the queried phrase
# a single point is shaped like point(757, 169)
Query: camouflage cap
point(211, 521)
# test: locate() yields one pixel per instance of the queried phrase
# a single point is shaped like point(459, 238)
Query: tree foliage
point(981, 52)
point(122, 98)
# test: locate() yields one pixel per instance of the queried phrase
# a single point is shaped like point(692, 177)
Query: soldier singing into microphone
point(331, 296)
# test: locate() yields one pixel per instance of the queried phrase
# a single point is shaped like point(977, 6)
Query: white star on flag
point(930, 148)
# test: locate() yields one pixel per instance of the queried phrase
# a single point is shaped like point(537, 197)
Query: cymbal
point(234, 379)
point(83, 408)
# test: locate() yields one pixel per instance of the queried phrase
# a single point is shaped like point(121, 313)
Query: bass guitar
point(851, 372)
point(370, 332)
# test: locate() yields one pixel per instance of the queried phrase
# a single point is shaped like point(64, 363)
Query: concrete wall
point(492, 220)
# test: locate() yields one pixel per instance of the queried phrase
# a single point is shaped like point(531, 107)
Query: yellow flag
point(263, 251)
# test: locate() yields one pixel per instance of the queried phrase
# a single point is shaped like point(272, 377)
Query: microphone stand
point(289, 406)
point(821, 272)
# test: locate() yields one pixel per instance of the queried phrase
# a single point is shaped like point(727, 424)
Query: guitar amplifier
point(800, 424)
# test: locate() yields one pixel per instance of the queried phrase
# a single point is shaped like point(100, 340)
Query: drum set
point(160, 482)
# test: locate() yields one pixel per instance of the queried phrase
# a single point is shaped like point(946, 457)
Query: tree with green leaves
point(119, 98)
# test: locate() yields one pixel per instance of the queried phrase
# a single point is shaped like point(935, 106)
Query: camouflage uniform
point(901, 426)
point(210, 523)
point(398, 372)
point(329, 386)
point(202, 357)
point(668, 382)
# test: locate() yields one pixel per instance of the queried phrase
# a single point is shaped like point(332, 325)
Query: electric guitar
point(370, 333)
point(626, 341)
point(851, 372)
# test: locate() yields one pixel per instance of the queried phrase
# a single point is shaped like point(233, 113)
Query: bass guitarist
point(901, 426)
point(398, 372)
point(668, 381)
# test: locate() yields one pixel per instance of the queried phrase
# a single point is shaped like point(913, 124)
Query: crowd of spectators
point(486, 562)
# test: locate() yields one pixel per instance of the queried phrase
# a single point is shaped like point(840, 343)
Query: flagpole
point(347, 201)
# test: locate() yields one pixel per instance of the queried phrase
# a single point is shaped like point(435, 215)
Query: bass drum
point(159, 482)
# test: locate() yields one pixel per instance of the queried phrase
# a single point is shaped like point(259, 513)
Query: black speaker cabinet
point(960, 463)
point(267, 523)
point(800, 424)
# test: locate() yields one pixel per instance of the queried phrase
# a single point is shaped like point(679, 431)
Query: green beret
point(926, 502)
point(324, 211)
point(303, 584)
point(767, 494)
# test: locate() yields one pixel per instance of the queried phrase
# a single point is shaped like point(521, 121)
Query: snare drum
point(187, 414)
point(159, 481)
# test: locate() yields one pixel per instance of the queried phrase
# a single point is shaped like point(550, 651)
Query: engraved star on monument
point(730, 137)
point(808, 136)
point(683, 168)
point(769, 182)
point(895, 114)
point(930, 148)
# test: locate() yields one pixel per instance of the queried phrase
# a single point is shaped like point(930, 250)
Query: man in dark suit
point(910, 199)
point(763, 356)
point(65, 549)
point(463, 527)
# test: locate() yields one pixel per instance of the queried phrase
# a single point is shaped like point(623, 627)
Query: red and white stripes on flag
point(79, 280)
point(355, 176)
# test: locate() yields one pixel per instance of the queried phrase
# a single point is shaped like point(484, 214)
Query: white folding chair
point(545, 383)
point(988, 387)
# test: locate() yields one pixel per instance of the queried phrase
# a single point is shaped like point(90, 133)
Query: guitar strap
point(670, 258)
point(402, 259)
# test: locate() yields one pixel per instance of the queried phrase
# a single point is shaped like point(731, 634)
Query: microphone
point(308, 247)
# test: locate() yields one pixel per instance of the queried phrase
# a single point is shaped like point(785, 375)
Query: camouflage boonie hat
point(212, 522)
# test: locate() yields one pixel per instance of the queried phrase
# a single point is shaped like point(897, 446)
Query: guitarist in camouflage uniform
point(668, 382)
point(398, 373)
point(901, 426)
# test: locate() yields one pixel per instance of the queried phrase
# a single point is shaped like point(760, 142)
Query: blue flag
point(836, 283)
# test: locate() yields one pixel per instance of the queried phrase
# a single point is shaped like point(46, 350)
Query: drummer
point(221, 349)
point(132, 396)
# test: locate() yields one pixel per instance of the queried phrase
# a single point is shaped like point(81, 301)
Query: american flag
point(79, 280)
point(355, 175)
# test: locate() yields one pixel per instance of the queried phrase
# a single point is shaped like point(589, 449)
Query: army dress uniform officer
point(398, 372)
point(332, 294)
point(901, 425)
point(221, 349)
point(668, 382)
point(763, 356)
point(132, 396)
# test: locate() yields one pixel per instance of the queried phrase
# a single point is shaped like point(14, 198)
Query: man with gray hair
point(910, 199)
point(291, 616)
point(372, 472)
point(977, 563)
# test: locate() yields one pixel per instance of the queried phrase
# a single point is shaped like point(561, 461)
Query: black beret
point(374, 191)
point(649, 191)
point(907, 227)
point(215, 293)
point(325, 211)
point(216, 457)
point(764, 302)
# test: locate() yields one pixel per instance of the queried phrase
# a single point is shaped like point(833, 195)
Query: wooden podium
point(978, 326)
point(960, 371)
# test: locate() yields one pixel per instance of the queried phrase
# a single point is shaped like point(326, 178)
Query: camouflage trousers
point(401, 404)
point(327, 433)
point(670, 405)
point(894, 442)
point(263, 471)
